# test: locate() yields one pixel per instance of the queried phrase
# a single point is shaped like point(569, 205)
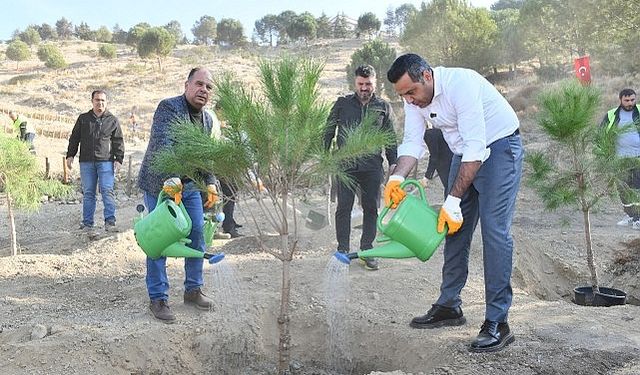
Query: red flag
point(583, 70)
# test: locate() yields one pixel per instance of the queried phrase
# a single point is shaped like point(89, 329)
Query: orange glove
point(212, 196)
point(450, 214)
point(393, 194)
point(173, 188)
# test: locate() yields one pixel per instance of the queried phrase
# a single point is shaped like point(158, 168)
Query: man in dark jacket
point(627, 146)
point(439, 157)
point(182, 110)
point(99, 136)
point(347, 113)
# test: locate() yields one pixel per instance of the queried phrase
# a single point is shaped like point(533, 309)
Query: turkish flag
point(583, 71)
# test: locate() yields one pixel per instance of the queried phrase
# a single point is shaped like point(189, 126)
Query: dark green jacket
point(347, 113)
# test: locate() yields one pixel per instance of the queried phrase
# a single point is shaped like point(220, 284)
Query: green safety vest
point(612, 115)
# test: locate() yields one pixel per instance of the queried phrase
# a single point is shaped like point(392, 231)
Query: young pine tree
point(277, 134)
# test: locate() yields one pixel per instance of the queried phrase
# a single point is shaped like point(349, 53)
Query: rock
point(39, 332)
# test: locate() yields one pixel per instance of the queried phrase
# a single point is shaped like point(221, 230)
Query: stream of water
point(336, 290)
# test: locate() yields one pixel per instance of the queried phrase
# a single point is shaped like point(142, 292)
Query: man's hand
point(116, 166)
point(69, 162)
point(450, 214)
point(393, 194)
point(173, 188)
point(212, 196)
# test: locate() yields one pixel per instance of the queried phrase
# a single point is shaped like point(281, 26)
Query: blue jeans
point(93, 174)
point(491, 198)
point(157, 280)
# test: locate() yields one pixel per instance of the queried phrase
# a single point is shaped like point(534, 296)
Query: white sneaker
point(627, 221)
point(636, 225)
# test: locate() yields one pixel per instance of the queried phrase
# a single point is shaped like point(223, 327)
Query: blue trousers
point(157, 281)
point(93, 174)
point(491, 198)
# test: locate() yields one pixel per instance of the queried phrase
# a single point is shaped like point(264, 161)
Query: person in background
point(439, 157)
point(26, 130)
point(173, 112)
point(348, 112)
point(627, 146)
point(482, 131)
point(99, 136)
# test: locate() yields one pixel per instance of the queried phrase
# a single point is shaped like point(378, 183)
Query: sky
point(18, 14)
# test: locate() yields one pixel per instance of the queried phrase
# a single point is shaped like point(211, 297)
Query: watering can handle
point(386, 209)
point(162, 195)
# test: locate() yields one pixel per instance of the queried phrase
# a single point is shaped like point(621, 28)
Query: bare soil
point(70, 305)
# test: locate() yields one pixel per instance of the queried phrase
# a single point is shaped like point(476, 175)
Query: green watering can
point(163, 232)
point(410, 232)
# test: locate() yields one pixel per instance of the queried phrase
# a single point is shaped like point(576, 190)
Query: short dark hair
point(93, 94)
point(194, 71)
point(408, 63)
point(626, 92)
point(365, 71)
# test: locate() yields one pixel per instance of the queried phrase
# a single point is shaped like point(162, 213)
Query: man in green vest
point(627, 145)
point(26, 131)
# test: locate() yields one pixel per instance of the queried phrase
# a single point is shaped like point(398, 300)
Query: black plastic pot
point(606, 297)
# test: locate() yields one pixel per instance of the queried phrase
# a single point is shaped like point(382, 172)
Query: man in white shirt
point(482, 131)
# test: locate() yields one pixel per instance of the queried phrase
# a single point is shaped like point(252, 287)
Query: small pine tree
point(582, 167)
point(158, 42)
point(21, 182)
point(280, 138)
point(18, 51)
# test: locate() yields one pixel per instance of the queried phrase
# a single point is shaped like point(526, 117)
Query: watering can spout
point(391, 249)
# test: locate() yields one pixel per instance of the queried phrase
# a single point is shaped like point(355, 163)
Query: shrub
point(107, 51)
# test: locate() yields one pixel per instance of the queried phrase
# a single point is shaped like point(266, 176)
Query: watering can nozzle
point(214, 258)
point(344, 257)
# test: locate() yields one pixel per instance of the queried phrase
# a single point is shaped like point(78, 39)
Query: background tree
point(230, 32)
point(404, 13)
point(135, 34)
point(107, 51)
point(284, 21)
point(466, 35)
point(64, 28)
point(507, 4)
point(83, 32)
point(510, 41)
point(580, 167)
point(18, 51)
point(103, 35)
point(47, 32)
point(379, 55)
point(158, 42)
point(21, 183)
point(205, 30)
point(340, 27)
point(390, 22)
point(279, 138)
point(51, 56)
point(324, 29)
point(174, 28)
point(30, 36)
point(266, 29)
point(368, 24)
point(303, 26)
point(118, 35)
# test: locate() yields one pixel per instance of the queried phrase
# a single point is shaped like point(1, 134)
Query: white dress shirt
point(467, 108)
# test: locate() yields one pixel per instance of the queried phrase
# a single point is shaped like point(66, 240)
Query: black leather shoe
point(493, 336)
point(439, 316)
point(234, 233)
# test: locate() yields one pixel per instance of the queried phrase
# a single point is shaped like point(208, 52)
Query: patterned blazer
point(168, 112)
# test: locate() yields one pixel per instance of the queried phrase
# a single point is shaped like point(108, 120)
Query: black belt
point(517, 132)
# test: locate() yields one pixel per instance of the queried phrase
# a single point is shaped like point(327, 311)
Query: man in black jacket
point(99, 136)
point(347, 113)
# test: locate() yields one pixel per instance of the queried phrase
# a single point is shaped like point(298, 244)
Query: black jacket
point(99, 138)
point(347, 113)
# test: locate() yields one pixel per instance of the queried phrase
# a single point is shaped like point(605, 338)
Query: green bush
point(56, 61)
point(107, 51)
point(51, 56)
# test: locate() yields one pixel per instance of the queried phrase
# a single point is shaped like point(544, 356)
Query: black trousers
point(631, 208)
point(228, 205)
point(369, 183)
